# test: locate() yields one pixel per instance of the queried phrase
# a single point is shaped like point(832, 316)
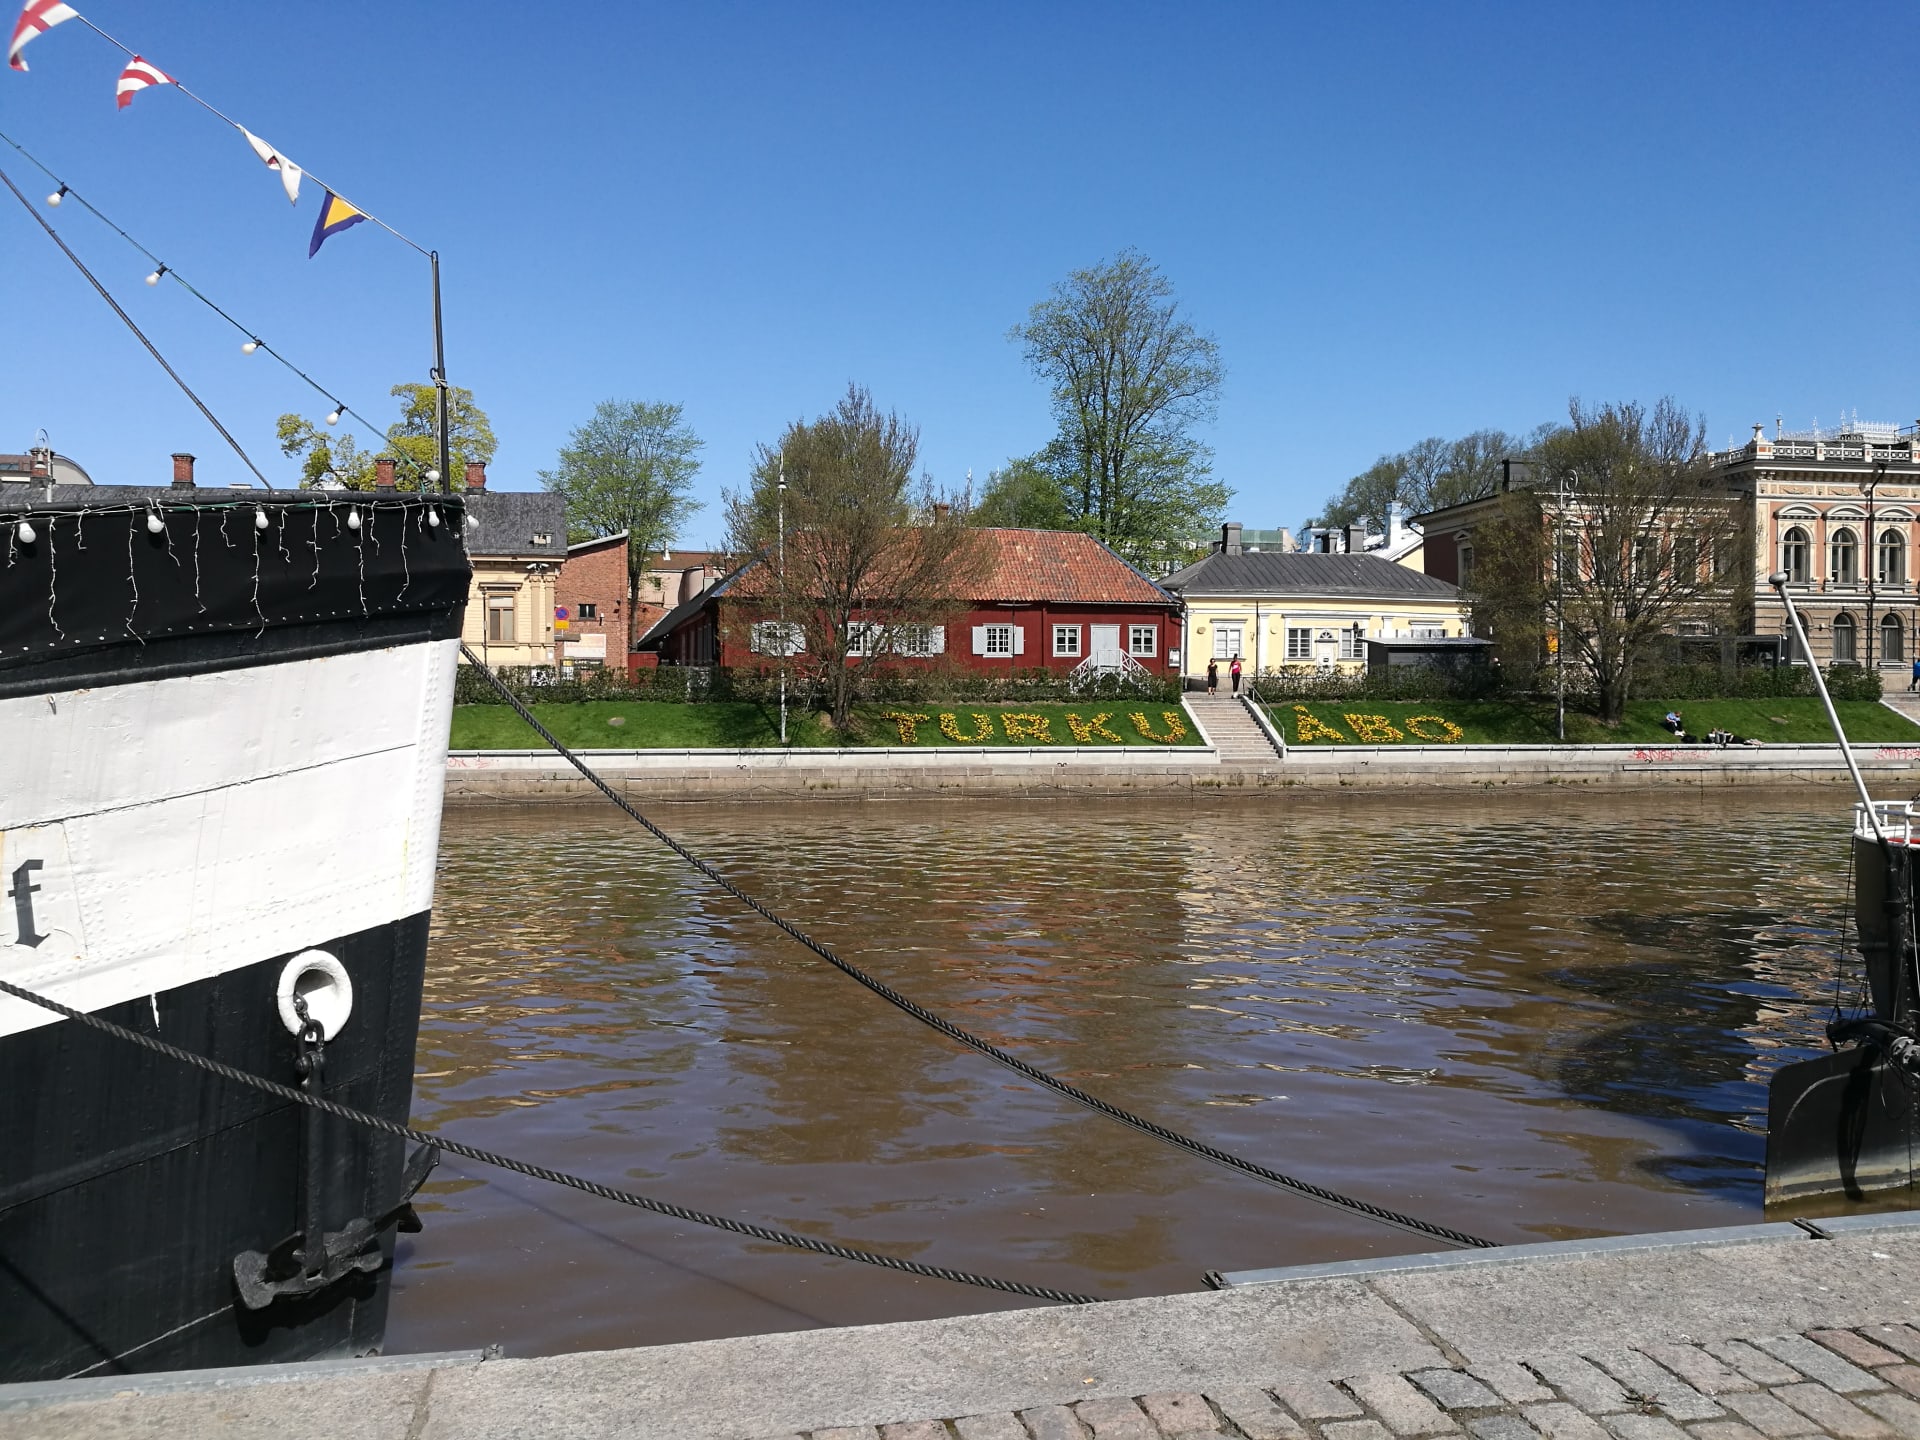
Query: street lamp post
point(1872, 557)
point(781, 522)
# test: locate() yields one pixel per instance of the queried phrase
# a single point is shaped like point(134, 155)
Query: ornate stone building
point(1839, 511)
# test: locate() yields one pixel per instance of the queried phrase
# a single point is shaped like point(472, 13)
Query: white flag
point(274, 160)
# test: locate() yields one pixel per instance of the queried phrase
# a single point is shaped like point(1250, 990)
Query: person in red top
point(1234, 670)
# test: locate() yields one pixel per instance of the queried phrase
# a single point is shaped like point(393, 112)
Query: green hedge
point(693, 684)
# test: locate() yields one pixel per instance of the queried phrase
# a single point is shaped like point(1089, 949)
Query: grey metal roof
point(1269, 573)
point(509, 520)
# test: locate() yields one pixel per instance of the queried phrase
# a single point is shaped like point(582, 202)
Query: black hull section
point(129, 1181)
point(1844, 1124)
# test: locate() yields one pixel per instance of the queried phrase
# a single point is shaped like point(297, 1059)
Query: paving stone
point(1856, 1348)
point(1903, 1338)
point(1180, 1412)
point(1833, 1413)
point(990, 1427)
point(1907, 1377)
point(1255, 1412)
point(1053, 1422)
point(1560, 1421)
point(1754, 1364)
point(1501, 1427)
point(1698, 1368)
point(1355, 1430)
point(1819, 1364)
point(1115, 1418)
point(1897, 1410)
point(1773, 1418)
point(848, 1432)
point(1456, 1389)
point(1633, 1426)
point(1403, 1409)
point(1583, 1384)
point(917, 1430)
point(1315, 1400)
point(1723, 1430)
point(1642, 1377)
point(1513, 1382)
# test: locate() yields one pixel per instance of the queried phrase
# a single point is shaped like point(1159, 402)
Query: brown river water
point(1525, 1016)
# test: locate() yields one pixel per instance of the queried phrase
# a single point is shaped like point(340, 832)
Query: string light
point(260, 521)
point(155, 525)
point(25, 533)
point(333, 415)
point(158, 271)
point(57, 196)
point(249, 346)
point(433, 517)
point(432, 477)
point(353, 518)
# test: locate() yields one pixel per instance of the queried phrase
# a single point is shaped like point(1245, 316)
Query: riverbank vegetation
point(1530, 721)
point(737, 724)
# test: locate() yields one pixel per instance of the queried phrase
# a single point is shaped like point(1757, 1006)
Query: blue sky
point(1397, 220)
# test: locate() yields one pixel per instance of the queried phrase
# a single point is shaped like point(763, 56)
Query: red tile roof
point(1063, 567)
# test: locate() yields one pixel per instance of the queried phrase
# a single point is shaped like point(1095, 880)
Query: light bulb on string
point(353, 518)
point(433, 518)
point(248, 347)
point(57, 196)
point(154, 523)
point(259, 517)
point(473, 521)
point(333, 415)
point(25, 533)
point(154, 278)
point(432, 477)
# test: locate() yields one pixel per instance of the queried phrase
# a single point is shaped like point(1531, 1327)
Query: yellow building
point(1277, 610)
point(517, 549)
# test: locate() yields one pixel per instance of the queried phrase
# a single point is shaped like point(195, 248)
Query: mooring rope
point(541, 1172)
point(974, 1042)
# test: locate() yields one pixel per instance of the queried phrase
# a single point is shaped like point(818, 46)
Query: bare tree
point(872, 556)
point(1621, 535)
point(1129, 376)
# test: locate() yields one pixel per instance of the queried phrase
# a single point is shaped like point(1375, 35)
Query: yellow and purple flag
point(335, 215)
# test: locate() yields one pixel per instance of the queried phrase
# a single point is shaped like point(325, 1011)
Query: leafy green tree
point(1426, 476)
point(325, 454)
point(1129, 377)
point(1026, 494)
point(628, 468)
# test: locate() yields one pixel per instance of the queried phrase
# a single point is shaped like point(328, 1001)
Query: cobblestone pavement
point(1859, 1384)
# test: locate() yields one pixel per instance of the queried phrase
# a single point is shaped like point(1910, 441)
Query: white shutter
point(979, 639)
point(1019, 640)
point(936, 639)
point(757, 638)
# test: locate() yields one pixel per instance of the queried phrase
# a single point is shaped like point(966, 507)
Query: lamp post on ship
point(781, 523)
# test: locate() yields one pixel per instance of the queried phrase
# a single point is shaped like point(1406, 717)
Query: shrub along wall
point(691, 684)
point(1657, 681)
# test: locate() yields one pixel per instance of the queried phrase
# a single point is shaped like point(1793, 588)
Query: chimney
point(1230, 539)
point(383, 473)
point(476, 475)
point(1356, 539)
point(941, 511)
point(182, 471)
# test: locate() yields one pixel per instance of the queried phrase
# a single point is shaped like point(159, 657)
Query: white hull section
point(161, 832)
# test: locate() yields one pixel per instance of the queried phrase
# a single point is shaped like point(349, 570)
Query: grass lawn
point(1530, 722)
point(659, 724)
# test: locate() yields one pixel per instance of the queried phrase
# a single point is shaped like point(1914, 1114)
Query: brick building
point(590, 604)
point(1050, 600)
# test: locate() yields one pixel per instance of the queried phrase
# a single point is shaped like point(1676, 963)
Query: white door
point(1106, 646)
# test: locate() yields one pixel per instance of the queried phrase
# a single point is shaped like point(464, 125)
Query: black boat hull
point(1842, 1125)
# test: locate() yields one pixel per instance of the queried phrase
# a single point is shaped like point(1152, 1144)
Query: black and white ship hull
point(223, 726)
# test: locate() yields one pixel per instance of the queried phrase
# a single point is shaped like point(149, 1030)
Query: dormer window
point(543, 537)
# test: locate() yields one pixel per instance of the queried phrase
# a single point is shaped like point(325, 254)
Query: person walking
point(1235, 671)
point(1213, 675)
point(1914, 684)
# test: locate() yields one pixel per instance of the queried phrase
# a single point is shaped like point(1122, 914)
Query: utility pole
point(785, 641)
point(1872, 557)
point(440, 383)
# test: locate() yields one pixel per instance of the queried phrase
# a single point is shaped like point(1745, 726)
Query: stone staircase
point(1903, 702)
point(1236, 736)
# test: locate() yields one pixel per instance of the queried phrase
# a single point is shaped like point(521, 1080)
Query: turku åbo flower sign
point(1031, 727)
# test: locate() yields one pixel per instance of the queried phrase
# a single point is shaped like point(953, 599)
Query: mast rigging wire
point(967, 1038)
point(541, 1172)
point(139, 335)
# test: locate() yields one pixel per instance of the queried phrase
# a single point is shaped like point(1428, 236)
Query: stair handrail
point(1257, 707)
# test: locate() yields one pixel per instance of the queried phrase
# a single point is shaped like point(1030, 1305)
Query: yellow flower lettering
point(1085, 730)
point(1374, 729)
point(908, 723)
point(1025, 726)
point(1450, 733)
point(1175, 730)
point(1308, 729)
point(982, 728)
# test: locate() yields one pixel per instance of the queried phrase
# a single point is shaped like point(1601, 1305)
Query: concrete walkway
point(1758, 1333)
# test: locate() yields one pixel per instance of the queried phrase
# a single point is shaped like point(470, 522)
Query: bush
point(691, 684)
point(1402, 682)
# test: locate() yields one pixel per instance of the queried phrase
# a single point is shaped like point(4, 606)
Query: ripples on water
point(1530, 1017)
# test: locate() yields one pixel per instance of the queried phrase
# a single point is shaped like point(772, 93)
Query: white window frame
point(1222, 649)
point(1427, 630)
point(997, 641)
point(919, 642)
point(1066, 642)
point(764, 638)
point(1143, 640)
point(498, 604)
point(1299, 642)
point(1353, 642)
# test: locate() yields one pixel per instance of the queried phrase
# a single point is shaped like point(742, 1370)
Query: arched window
point(1845, 548)
point(1795, 549)
point(1893, 637)
point(1892, 559)
point(1844, 634)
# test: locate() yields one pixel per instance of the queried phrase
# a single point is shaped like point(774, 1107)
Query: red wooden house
point(1051, 600)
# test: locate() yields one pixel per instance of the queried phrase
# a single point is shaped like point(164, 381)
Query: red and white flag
point(38, 16)
point(138, 76)
point(289, 172)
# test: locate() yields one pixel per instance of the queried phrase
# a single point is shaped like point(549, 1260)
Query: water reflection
point(1528, 1017)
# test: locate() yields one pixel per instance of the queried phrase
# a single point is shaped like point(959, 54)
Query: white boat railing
point(1897, 820)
